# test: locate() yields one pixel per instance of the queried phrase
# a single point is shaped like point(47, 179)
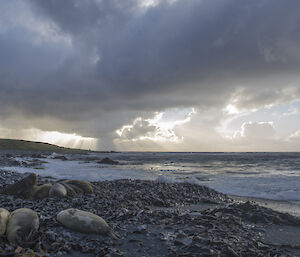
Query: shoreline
point(159, 219)
point(288, 206)
point(277, 205)
point(166, 167)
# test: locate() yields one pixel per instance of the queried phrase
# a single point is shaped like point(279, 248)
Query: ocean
point(273, 176)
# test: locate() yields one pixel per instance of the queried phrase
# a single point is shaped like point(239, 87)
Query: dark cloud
point(91, 66)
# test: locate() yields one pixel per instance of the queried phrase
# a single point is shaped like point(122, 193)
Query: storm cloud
point(92, 66)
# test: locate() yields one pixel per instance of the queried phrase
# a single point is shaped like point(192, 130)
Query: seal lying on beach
point(4, 214)
point(22, 187)
point(58, 190)
point(40, 192)
point(84, 222)
point(85, 186)
point(71, 190)
point(22, 224)
point(27, 188)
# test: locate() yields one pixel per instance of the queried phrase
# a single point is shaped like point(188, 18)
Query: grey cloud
point(257, 131)
point(295, 138)
point(82, 17)
point(139, 128)
point(189, 53)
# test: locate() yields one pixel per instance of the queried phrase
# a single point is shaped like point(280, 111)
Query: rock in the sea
point(61, 157)
point(108, 161)
point(40, 192)
point(4, 214)
point(23, 187)
point(38, 155)
point(57, 190)
point(84, 222)
point(22, 224)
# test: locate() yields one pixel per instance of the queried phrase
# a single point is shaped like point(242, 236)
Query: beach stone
point(22, 224)
point(84, 222)
point(38, 155)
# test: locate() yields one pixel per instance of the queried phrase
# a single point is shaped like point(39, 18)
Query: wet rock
point(60, 157)
point(38, 156)
point(108, 161)
point(15, 163)
point(142, 229)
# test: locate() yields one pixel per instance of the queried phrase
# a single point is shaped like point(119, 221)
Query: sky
point(151, 75)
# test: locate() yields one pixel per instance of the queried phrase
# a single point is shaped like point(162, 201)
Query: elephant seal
point(57, 190)
point(4, 214)
point(85, 186)
point(22, 187)
point(77, 189)
point(40, 192)
point(22, 224)
point(71, 191)
point(84, 222)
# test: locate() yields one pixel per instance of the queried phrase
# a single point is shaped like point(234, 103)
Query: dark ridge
point(13, 144)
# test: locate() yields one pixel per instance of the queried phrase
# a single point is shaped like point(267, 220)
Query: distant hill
point(12, 144)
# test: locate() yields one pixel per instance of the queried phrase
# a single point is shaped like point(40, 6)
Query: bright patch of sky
point(172, 117)
point(159, 128)
point(166, 122)
point(70, 140)
point(285, 118)
point(151, 3)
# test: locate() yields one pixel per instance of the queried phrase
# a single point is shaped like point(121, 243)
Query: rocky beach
point(149, 128)
point(154, 219)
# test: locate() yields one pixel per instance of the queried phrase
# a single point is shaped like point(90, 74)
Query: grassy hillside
point(12, 144)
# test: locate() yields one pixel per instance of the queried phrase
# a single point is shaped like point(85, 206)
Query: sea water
point(273, 176)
